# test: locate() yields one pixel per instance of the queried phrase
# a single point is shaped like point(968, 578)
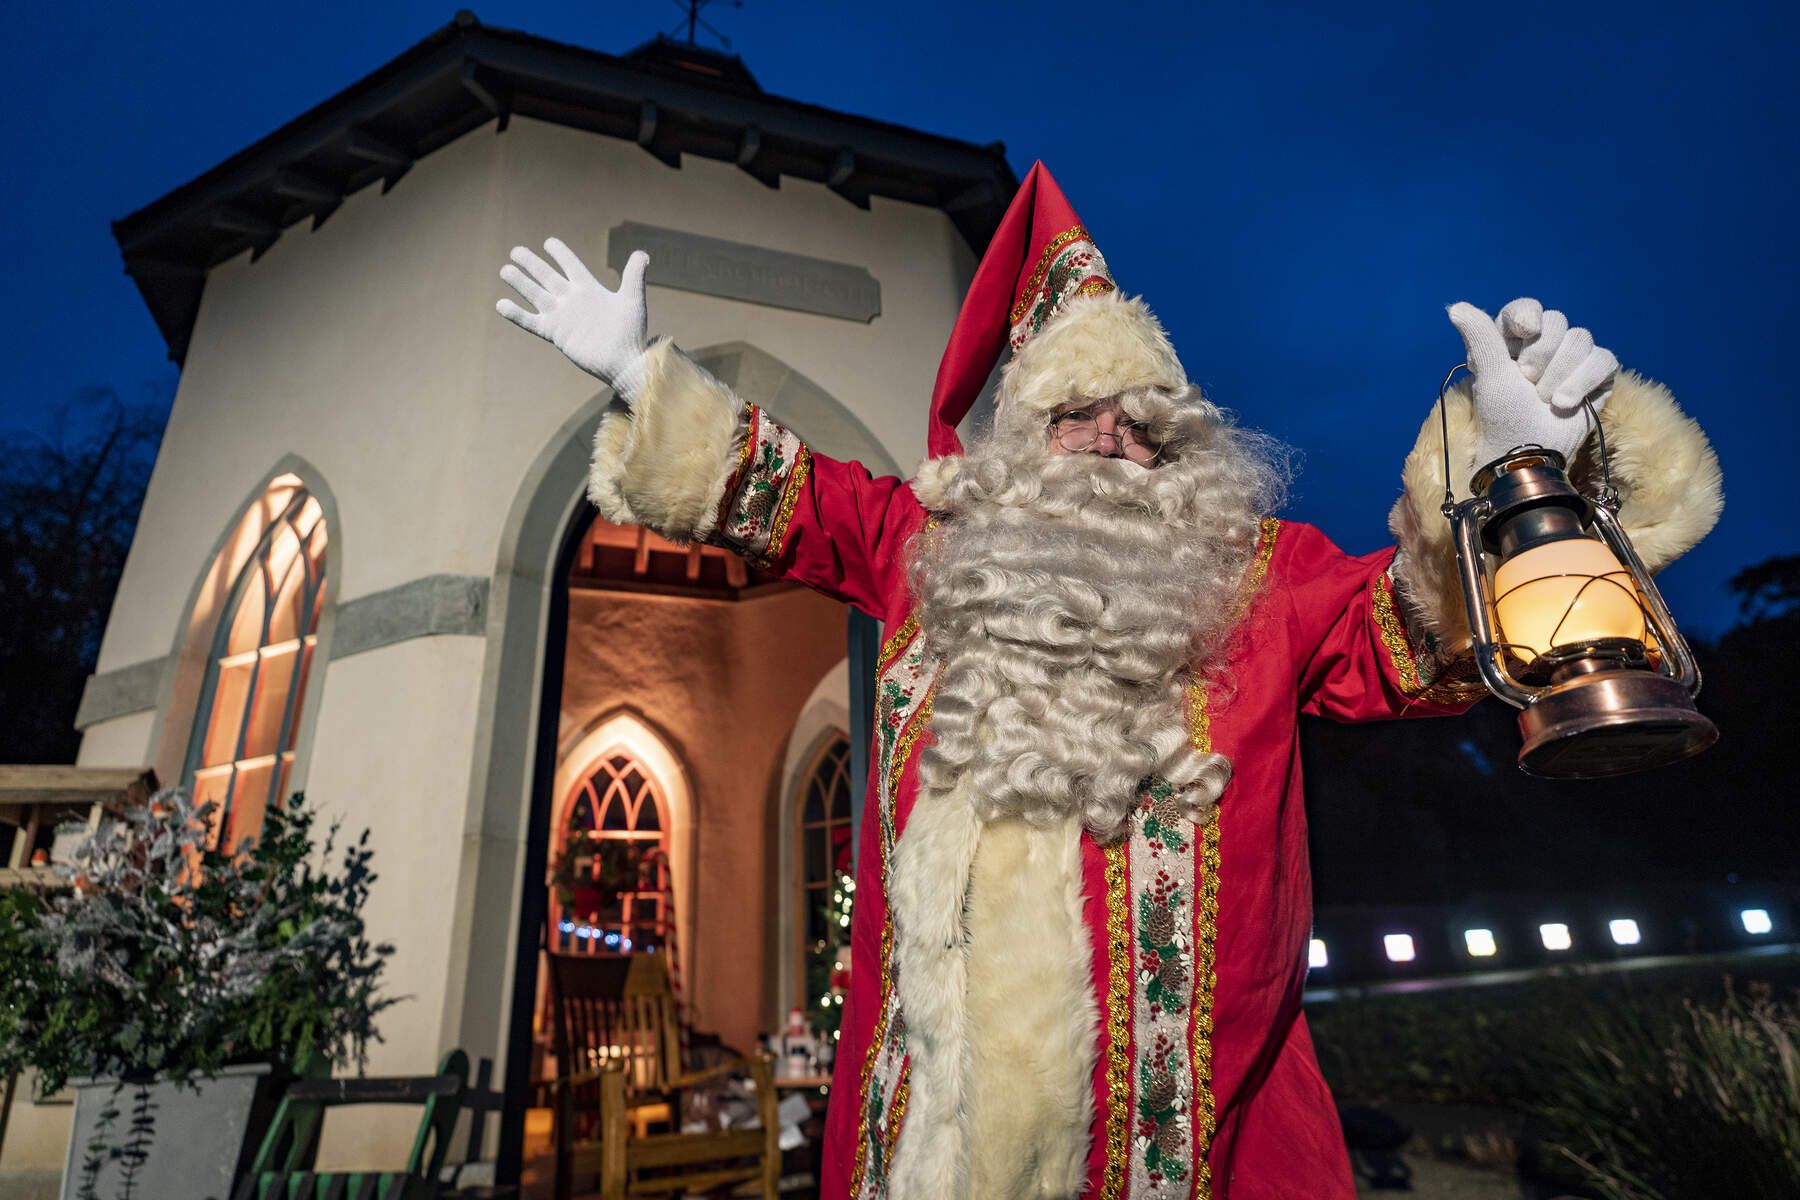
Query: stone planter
point(169, 1140)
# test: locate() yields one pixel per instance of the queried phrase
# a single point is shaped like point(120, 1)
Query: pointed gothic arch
point(619, 765)
point(242, 690)
point(493, 985)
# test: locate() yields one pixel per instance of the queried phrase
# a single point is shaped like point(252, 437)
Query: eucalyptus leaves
point(169, 958)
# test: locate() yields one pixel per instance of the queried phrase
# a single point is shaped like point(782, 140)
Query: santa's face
point(1102, 427)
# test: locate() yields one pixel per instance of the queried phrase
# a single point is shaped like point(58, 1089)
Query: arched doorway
point(566, 651)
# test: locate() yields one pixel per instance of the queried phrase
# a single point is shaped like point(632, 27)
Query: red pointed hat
point(1043, 288)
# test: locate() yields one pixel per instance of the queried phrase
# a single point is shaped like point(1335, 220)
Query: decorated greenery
point(168, 957)
point(826, 978)
point(589, 874)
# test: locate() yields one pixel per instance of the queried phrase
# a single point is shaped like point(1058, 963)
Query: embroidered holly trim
point(1070, 265)
point(905, 686)
point(1161, 866)
point(1162, 1116)
point(763, 489)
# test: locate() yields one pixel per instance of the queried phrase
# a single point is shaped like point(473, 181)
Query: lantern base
point(1611, 722)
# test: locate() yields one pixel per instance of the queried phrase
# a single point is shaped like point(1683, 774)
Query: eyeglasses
point(1079, 429)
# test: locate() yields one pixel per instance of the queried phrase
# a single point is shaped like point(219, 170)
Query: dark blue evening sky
point(1299, 191)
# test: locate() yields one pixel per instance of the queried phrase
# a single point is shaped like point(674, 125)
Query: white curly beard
point(1071, 598)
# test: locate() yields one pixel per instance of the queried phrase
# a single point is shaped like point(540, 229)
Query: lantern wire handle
point(1606, 496)
point(1449, 505)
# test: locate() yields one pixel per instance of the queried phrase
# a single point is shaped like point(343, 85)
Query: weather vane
point(695, 22)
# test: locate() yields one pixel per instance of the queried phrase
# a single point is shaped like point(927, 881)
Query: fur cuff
point(1665, 471)
point(1097, 346)
point(664, 461)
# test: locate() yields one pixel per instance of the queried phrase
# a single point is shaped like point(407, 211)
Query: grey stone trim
point(427, 607)
point(120, 692)
point(755, 274)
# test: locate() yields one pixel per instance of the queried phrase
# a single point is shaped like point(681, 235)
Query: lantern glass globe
point(1564, 592)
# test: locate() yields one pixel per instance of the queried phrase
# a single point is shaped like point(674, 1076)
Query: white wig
point(1072, 597)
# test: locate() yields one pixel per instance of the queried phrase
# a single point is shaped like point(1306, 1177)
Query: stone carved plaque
point(737, 271)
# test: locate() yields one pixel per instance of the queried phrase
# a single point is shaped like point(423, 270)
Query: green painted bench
point(280, 1169)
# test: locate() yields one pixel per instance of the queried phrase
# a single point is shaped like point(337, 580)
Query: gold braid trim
point(891, 648)
point(735, 480)
point(876, 1037)
point(1259, 567)
point(1029, 291)
point(1118, 1024)
point(1206, 977)
point(790, 496)
point(903, 746)
point(1456, 681)
point(1393, 636)
point(897, 1109)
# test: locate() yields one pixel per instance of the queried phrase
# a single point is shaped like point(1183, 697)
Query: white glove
point(600, 331)
point(1531, 374)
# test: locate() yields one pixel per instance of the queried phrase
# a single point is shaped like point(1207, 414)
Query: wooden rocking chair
point(618, 1055)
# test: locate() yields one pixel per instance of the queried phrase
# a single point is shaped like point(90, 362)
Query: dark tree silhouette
point(69, 501)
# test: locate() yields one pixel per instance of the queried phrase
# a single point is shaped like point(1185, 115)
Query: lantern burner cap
point(1611, 721)
point(1562, 663)
point(1519, 458)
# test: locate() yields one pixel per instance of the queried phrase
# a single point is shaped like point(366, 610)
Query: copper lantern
point(1568, 626)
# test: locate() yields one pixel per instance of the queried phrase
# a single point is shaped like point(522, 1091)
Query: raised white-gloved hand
point(1531, 374)
point(601, 331)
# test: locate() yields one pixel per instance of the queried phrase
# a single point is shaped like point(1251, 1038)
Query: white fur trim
point(1097, 346)
point(931, 482)
point(1033, 1022)
point(664, 461)
point(1667, 475)
point(930, 880)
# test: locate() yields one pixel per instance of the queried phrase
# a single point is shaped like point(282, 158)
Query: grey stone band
point(736, 271)
point(433, 605)
point(120, 692)
point(436, 604)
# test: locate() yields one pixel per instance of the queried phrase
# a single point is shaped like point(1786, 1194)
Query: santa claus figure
point(1083, 901)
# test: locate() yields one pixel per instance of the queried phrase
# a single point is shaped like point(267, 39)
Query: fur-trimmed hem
point(664, 461)
point(929, 883)
point(991, 964)
point(1664, 469)
point(1033, 1022)
point(1097, 346)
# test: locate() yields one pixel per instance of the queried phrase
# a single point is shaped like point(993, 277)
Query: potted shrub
point(178, 989)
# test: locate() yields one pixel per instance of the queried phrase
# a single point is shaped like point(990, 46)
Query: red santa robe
point(1201, 1079)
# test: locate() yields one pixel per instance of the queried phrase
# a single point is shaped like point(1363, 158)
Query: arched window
point(822, 828)
point(243, 744)
point(611, 889)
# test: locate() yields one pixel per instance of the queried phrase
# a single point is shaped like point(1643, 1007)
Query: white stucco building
point(361, 444)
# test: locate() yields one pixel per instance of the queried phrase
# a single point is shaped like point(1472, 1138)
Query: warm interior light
point(1555, 935)
point(1563, 592)
point(1624, 931)
point(1315, 954)
point(1480, 943)
point(1399, 947)
point(1756, 920)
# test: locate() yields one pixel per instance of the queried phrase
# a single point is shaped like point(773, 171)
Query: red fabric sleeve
point(1354, 658)
point(816, 520)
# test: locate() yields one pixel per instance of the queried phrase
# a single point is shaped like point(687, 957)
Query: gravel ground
point(1436, 1179)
